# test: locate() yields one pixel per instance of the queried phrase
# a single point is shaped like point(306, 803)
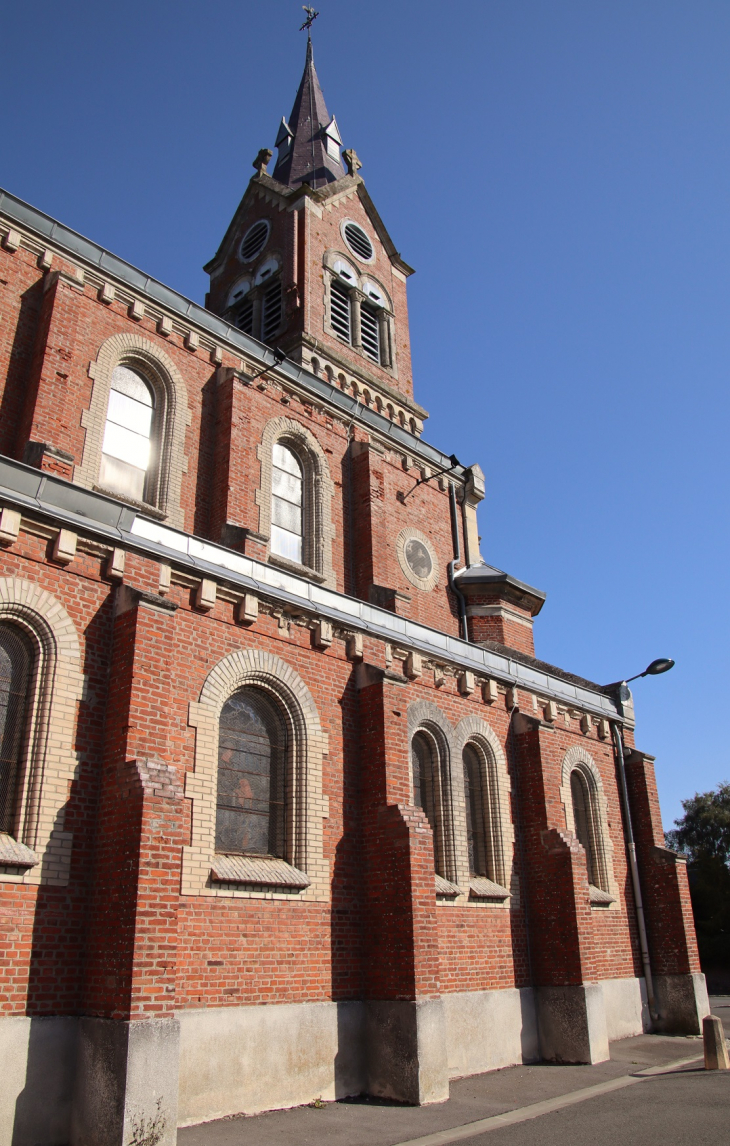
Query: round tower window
point(417, 558)
point(254, 240)
point(358, 241)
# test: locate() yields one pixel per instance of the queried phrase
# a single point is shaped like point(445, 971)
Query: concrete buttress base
point(406, 1050)
point(681, 1003)
point(126, 1082)
point(572, 1023)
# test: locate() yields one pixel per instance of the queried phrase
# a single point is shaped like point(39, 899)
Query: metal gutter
point(92, 513)
point(80, 248)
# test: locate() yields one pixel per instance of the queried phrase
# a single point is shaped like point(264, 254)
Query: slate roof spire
point(309, 143)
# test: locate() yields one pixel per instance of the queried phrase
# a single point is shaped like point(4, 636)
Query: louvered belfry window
point(341, 311)
point(252, 753)
point(370, 332)
point(16, 660)
point(271, 311)
point(244, 316)
point(476, 826)
point(287, 504)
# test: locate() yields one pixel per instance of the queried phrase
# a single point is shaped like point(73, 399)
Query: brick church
point(289, 806)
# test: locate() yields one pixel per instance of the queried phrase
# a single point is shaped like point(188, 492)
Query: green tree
point(703, 835)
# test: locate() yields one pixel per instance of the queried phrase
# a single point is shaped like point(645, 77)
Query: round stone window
point(417, 558)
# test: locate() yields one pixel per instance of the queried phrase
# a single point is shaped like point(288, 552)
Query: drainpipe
point(457, 558)
point(634, 868)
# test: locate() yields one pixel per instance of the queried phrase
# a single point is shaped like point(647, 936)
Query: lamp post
point(661, 665)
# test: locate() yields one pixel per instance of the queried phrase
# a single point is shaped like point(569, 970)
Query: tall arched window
point(429, 788)
point(476, 797)
point(127, 448)
point(16, 661)
point(252, 753)
point(585, 823)
point(287, 504)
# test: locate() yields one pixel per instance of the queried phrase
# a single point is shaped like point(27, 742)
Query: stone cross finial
point(352, 161)
point(262, 160)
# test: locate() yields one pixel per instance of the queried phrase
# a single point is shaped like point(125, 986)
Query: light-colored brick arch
point(580, 758)
point(306, 805)
point(424, 716)
point(318, 492)
point(172, 417)
point(49, 760)
point(474, 730)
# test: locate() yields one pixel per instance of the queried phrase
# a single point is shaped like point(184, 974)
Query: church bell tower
point(307, 265)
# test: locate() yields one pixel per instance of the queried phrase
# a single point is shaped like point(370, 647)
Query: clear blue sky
point(558, 173)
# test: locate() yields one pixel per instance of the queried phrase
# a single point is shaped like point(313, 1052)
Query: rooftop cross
point(311, 17)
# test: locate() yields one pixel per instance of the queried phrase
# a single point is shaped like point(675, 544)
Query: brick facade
point(120, 918)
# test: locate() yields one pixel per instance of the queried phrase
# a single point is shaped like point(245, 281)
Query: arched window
point(287, 504)
point(127, 448)
point(477, 813)
point(252, 753)
point(429, 787)
point(585, 823)
point(16, 661)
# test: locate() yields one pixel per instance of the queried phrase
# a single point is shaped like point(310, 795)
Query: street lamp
point(623, 693)
point(663, 664)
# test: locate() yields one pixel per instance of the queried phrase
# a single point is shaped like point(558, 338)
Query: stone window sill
point(598, 897)
point(13, 854)
point(447, 889)
point(261, 871)
point(294, 567)
point(142, 506)
point(482, 888)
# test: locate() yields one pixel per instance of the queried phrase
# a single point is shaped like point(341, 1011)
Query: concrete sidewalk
point(368, 1122)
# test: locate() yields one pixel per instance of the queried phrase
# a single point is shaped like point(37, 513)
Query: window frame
point(173, 416)
point(317, 493)
point(307, 807)
point(605, 893)
point(443, 826)
point(38, 851)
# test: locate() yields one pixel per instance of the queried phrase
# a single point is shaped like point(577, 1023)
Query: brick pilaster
point(133, 928)
point(401, 958)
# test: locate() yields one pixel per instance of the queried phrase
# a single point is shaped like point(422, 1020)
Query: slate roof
point(307, 160)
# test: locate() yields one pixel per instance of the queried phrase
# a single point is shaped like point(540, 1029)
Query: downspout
point(457, 558)
point(634, 868)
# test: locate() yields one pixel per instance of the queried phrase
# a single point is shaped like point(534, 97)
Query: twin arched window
point(432, 792)
point(252, 764)
point(16, 663)
point(128, 449)
point(287, 504)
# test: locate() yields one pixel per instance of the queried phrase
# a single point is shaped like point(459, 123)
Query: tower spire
point(309, 143)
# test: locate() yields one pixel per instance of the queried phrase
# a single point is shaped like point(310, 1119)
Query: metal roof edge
point(82, 509)
point(107, 263)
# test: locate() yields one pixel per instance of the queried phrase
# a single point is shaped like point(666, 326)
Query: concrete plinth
point(681, 1003)
point(126, 1083)
point(405, 1048)
point(572, 1023)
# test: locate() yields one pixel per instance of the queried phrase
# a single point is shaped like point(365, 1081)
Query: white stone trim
point(497, 789)
point(172, 417)
point(319, 490)
point(578, 758)
point(306, 804)
point(49, 761)
point(411, 534)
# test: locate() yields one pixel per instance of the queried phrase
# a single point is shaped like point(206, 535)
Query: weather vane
point(311, 17)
